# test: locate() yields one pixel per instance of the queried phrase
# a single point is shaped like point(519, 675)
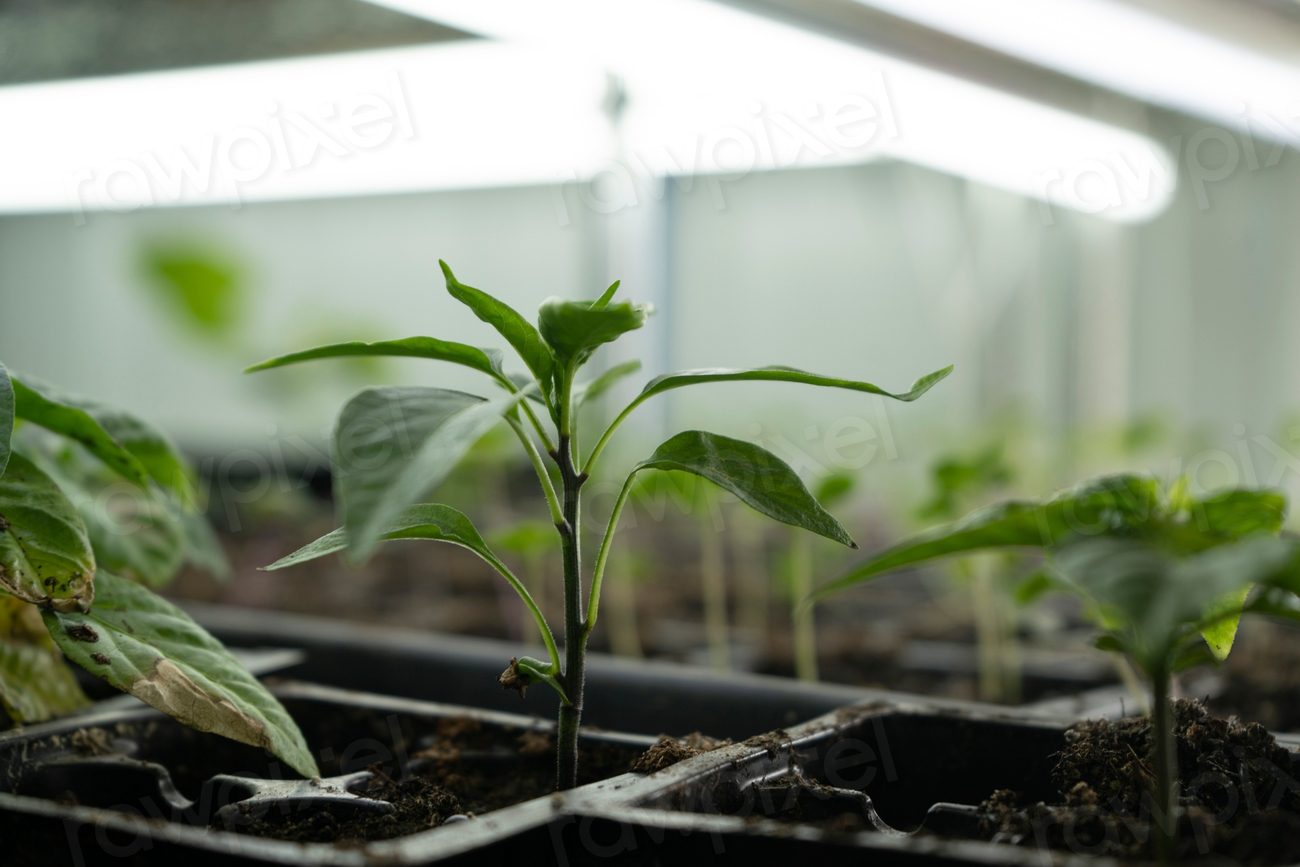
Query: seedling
point(1166, 578)
point(958, 483)
point(801, 568)
point(392, 445)
point(94, 507)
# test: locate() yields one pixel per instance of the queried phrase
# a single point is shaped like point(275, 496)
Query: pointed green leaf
point(144, 645)
point(755, 475)
point(606, 296)
point(6, 417)
point(660, 384)
point(393, 445)
point(517, 331)
point(1094, 507)
point(42, 405)
point(35, 683)
point(574, 329)
point(45, 554)
point(426, 521)
point(1225, 617)
point(603, 383)
point(485, 360)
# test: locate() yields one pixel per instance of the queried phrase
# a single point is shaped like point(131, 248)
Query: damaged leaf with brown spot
point(45, 554)
point(168, 661)
point(35, 683)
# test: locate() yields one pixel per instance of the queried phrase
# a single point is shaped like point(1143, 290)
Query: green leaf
point(1239, 512)
point(45, 554)
point(1159, 597)
point(200, 288)
point(6, 417)
point(426, 521)
point(606, 296)
point(41, 405)
point(517, 331)
point(1225, 617)
point(668, 382)
point(574, 329)
point(603, 383)
point(393, 445)
point(485, 360)
point(144, 645)
point(1095, 507)
point(151, 447)
point(755, 475)
point(1033, 587)
point(35, 683)
point(834, 487)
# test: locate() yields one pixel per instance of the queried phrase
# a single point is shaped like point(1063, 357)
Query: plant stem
point(713, 575)
point(575, 633)
point(988, 631)
point(1165, 763)
point(804, 631)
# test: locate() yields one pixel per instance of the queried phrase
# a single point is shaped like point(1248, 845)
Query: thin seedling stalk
point(1164, 762)
point(803, 627)
point(713, 584)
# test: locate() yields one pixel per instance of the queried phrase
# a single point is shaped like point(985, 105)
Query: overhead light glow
point(472, 114)
point(1133, 51)
point(714, 89)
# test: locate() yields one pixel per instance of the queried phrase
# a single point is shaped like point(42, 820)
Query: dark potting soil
point(464, 770)
point(668, 751)
point(1239, 793)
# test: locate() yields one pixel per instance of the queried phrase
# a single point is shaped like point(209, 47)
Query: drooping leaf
point(756, 476)
point(1095, 507)
point(517, 331)
point(393, 445)
point(601, 384)
point(6, 417)
point(425, 521)
point(606, 296)
point(41, 405)
point(151, 447)
point(45, 554)
point(574, 329)
point(485, 360)
point(141, 534)
point(668, 382)
point(35, 683)
point(144, 645)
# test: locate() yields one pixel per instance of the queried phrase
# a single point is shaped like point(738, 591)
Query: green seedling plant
point(392, 445)
point(959, 482)
point(1166, 576)
point(801, 569)
point(96, 507)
